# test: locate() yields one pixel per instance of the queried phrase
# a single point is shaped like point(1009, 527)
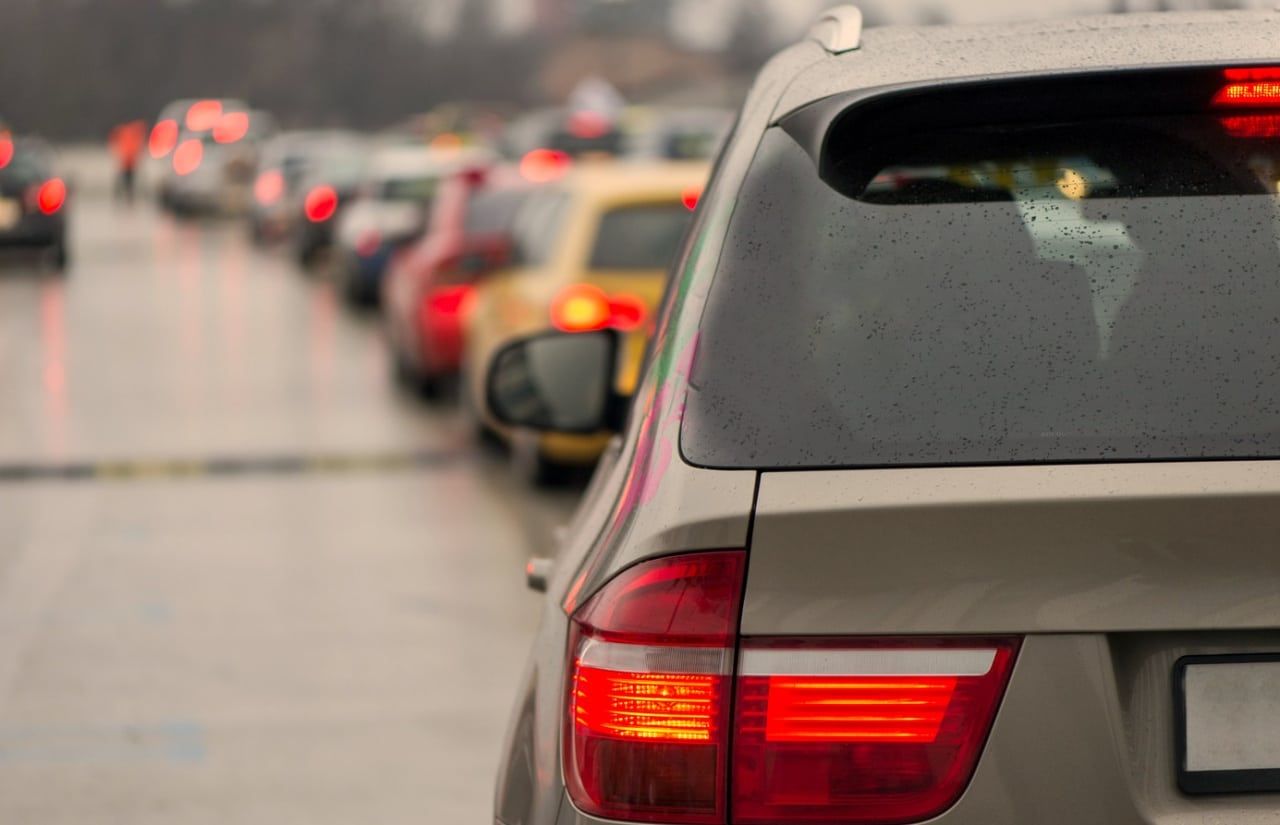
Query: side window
point(640, 237)
point(537, 228)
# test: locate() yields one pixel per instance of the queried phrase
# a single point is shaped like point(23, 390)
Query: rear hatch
point(1006, 355)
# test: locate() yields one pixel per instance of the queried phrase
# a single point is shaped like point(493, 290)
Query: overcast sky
point(706, 22)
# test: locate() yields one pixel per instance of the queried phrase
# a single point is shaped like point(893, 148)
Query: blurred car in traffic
point(33, 198)
point(214, 172)
point(950, 488)
point(590, 251)
point(430, 287)
point(391, 208)
point(182, 135)
point(282, 167)
point(331, 181)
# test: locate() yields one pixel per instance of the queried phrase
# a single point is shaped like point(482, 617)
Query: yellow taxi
point(590, 250)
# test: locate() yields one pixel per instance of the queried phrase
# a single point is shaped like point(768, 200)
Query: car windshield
point(416, 189)
point(24, 168)
point(640, 237)
point(1094, 291)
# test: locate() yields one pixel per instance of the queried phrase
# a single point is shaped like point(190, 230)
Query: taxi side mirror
point(557, 382)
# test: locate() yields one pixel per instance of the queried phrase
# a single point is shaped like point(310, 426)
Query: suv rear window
point(640, 237)
point(1100, 289)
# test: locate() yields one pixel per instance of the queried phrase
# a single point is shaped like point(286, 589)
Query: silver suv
point(950, 491)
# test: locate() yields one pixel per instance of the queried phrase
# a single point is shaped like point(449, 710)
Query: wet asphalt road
point(330, 632)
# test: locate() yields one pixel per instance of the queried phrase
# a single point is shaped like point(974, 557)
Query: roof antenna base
point(838, 30)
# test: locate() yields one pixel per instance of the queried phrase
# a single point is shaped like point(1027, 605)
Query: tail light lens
point(321, 204)
point(51, 195)
point(6, 149)
point(647, 718)
point(587, 308)
point(450, 301)
point(268, 189)
point(188, 157)
point(164, 137)
point(232, 127)
point(1250, 87)
point(883, 732)
point(544, 165)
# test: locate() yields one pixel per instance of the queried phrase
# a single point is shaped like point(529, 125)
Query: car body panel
point(1190, 545)
point(896, 55)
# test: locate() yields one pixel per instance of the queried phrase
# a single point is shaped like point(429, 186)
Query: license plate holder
point(1227, 723)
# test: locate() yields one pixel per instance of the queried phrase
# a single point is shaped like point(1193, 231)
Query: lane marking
point(229, 466)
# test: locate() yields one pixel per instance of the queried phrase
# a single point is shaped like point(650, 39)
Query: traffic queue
point(463, 234)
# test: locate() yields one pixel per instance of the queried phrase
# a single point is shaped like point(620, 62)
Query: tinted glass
point(419, 190)
point(537, 227)
point(1107, 290)
point(493, 212)
point(640, 237)
point(25, 167)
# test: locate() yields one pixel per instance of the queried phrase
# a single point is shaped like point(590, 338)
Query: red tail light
point(6, 149)
point(231, 127)
point(886, 732)
point(544, 165)
point(164, 137)
point(649, 694)
point(188, 157)
point(51, 196)
point(450, 300)
point(203, 115)
point(268, 189)
point(321, 204)
point(690, 198)
point(587, 308)
point(1256, 87)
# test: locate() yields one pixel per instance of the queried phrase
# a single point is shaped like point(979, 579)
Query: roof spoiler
point(838, 30)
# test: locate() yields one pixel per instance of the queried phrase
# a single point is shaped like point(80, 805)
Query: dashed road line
point(229, 466)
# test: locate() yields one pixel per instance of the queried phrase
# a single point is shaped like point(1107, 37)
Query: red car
point(429, 287)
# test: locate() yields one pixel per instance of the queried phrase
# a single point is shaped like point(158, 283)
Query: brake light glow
point(164, 137)
point(586, 124)
point(268, 189)
point(648, 708)
point(6, 149)
point(1252, 126)
point(203, 115)
point(888, 731)
point(321, 204)
point(232, 127)
point(690, 198)
point(188, 156)
point(451, 300)
point(51, 196)
point(581, 308)
point(587, 308)
point(1250, 87)
point(544, 165)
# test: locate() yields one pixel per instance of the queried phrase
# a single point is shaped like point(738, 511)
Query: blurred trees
point(74, 68)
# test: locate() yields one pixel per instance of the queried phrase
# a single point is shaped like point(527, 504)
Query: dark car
point(431, 284)
point(33, 199)
point(330, 184)
point(950, 491)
